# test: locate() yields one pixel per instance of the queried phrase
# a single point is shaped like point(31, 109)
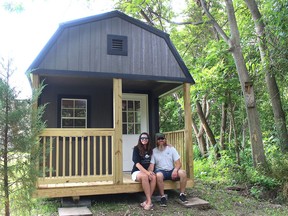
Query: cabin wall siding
point(100, 110)
point(84, 48)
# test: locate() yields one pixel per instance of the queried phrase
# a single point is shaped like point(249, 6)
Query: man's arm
point(151, 167)
point(177, 166)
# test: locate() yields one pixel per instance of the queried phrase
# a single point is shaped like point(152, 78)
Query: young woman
point(141, 157)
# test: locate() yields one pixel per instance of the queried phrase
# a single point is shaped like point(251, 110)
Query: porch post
point(188, 144)
point(117, 112)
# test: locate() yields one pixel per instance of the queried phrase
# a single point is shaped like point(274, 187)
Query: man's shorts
point(167, 174)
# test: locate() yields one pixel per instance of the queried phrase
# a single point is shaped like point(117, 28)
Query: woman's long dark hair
point(140, 146)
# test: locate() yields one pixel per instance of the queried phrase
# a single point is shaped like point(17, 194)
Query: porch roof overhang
point(156, 85)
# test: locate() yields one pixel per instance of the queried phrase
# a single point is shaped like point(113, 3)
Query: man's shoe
point(163, 201)
point(183, 198)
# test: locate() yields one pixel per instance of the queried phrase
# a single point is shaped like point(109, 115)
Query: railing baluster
point(63, 156)
point(101, 158)
point(50, 160)
point(88, 156)
point(57, 156)
point(70, 156)
point(94, 155)
point(82, 156)
point(44, 156)
point(76, 157)
point(107, 154)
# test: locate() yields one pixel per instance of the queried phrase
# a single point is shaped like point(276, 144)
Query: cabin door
point(135, 121)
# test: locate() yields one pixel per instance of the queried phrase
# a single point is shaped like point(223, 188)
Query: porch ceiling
point(155, 87)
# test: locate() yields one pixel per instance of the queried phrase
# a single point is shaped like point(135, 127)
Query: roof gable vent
point(117, 45)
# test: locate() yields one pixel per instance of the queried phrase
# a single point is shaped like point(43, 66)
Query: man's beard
point(161, 147)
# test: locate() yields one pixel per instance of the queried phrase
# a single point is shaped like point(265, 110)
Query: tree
point(20, 127)
point(246, 84)
point(272, 86)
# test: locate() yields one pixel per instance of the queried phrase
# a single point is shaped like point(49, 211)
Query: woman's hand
point(150, 175)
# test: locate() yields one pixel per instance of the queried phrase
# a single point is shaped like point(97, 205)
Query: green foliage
point(20, 126)
point(171, 112)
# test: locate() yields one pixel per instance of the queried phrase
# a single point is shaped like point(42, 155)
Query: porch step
point(75, 202)
point(195, 202)
point(74, 211)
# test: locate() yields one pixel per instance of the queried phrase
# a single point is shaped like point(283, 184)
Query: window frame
point(69, 97)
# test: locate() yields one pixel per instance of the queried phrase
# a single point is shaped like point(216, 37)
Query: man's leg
point(160, 183)
point(183, 180)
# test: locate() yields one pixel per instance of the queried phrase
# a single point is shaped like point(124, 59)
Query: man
point(165, 162)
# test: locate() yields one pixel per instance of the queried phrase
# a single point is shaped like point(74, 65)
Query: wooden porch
point(82, 162)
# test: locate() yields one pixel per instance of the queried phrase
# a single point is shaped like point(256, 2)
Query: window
point(117, 45)
point(131, 116)
point(73, 113)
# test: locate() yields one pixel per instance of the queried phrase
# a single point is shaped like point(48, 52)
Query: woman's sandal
point(148, 207)
point(143, 204)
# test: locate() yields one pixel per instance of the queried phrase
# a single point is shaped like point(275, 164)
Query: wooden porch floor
point(97, 188)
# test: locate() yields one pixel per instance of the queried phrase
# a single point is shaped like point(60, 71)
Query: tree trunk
point(279, 115)
point(5, 154)
point(233, 125)
point(202, 145)
point(246, 85)
point(223, 125)
point(207, 129)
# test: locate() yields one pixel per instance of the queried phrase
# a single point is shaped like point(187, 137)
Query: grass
point(222, 202)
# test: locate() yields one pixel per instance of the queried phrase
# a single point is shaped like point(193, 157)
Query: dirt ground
point(222, 201)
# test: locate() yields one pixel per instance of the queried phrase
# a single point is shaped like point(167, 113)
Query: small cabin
point(103, 78)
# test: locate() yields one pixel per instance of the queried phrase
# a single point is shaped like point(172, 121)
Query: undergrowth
point(263, 183)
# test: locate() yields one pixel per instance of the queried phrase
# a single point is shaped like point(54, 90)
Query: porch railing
point(176, 139)
point(84, 155)
point(76, 155)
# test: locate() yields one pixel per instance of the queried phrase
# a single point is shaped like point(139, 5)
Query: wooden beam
point(101, 189)
point(188, 131)
point(118, 154)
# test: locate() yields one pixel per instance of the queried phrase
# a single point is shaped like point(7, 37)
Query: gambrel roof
point(79, 48)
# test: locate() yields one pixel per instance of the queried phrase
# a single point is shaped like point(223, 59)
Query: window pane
point(80, 113)
point(67, 123)
point(124, 105)
point(124, 116)
point(137, 117)
point(67, 103)
point(130, 128)
point(80, 123)
point(131, 117)
point(137, 105)
point(67, 113)
point(130, 106)
point(80, 104)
